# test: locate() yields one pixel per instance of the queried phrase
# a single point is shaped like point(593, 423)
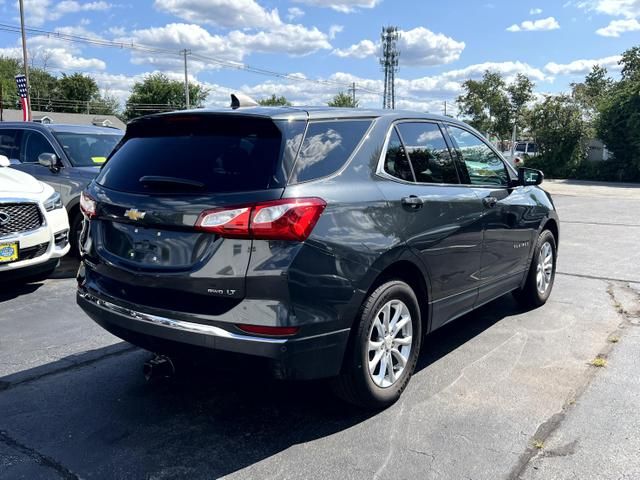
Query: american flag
point(21, 81)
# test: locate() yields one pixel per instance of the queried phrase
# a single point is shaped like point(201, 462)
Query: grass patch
point(599, 362)
point(538, 444)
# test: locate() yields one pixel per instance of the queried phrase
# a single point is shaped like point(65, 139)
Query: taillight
point(226, 222)
point(285, 219)
point(272, 331)
point(87, 205)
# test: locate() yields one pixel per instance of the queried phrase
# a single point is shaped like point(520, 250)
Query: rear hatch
point(168, 170)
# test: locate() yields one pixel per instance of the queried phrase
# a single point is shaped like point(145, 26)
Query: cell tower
point(389, 62)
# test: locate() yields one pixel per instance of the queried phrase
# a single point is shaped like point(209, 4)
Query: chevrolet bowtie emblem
point(134, 214)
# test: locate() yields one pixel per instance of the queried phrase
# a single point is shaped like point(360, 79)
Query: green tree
point(485, 105)
point(590, 93)
point(520, 93)
point(274, 101)
point(158, 93)
point(561, 133)
point(631, 64)
point(618, 122)
point(75, 93)
point(9, 68)
point(343, 99)
point(43, 89)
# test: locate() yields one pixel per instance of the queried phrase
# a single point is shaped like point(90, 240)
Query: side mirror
point(530, 176)
point(4, 161)
point(49, 160)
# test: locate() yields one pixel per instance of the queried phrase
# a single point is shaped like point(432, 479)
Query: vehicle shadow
point(67, 269)
point(206, 422)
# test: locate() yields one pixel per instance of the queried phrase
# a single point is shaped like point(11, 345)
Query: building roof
point(66, 118)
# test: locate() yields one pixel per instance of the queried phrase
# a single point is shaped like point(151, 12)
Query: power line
point(229, 64)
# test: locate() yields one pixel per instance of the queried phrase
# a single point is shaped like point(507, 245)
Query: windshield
point(87, 149)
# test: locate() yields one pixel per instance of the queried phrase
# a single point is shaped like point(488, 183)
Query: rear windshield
point(204, 154)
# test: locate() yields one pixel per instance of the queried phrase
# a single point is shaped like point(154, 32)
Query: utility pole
point(186, 52)
point(445, 108)
point(353, 94)
point(389, 63)
point(24, 55)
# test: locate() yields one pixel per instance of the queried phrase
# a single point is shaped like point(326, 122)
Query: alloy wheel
point(544, 269)
point(390, 342)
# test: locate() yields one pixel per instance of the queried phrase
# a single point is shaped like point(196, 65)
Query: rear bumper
point(302, 358)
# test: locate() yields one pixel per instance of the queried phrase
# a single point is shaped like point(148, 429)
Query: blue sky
point(555, 42)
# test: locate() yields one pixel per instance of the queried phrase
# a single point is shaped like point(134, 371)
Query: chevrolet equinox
point(326, 241)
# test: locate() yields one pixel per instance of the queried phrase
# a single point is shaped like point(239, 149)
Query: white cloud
point(56, 58)
point(292, 39)
point(294, 12)
point(419, 46)
point(614, 8)
point(223, 13)
point(334, 30)
point(72, 6)
point(117, 31)
point(176, 36)
point(535, 11)
point(508, 69)
point(582, 67)
point(536, 25)
point(38, 12)
point(344, 6)
point(617, 27)
point(362, 49)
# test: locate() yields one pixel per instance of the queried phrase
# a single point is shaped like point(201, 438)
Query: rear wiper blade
point(171, 180)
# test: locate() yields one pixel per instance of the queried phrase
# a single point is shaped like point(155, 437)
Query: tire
point(531, 295)
point(375, 390)
point(74, 235)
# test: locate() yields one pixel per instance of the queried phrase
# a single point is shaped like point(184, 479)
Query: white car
point(34, 227)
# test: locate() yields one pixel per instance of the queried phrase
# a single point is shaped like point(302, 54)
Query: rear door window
point(428, 153)
point(326, 148)
point(396, 162)
point(199, 153)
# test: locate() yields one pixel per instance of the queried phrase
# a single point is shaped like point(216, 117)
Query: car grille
point(20, 217)
point(33, 252)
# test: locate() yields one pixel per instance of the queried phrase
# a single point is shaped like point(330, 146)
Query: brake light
point(285, 219)
point(272, 331)
point(87, 205)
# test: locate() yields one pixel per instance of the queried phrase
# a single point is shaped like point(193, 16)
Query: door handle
point(489, 202)
point(413, 202)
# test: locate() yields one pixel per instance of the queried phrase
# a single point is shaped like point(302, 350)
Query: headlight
point(53, 202)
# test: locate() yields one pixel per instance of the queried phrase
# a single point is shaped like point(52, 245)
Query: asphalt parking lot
point(500, 393)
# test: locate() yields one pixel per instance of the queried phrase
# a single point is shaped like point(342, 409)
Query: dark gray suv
point(67, 157)
point(326, 241)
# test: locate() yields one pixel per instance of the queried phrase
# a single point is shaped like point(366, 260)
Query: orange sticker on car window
point(98, 159)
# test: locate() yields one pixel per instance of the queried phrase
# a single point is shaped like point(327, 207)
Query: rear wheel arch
point(413, 276)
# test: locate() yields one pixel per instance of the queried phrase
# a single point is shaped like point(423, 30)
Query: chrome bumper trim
point(175, 324)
